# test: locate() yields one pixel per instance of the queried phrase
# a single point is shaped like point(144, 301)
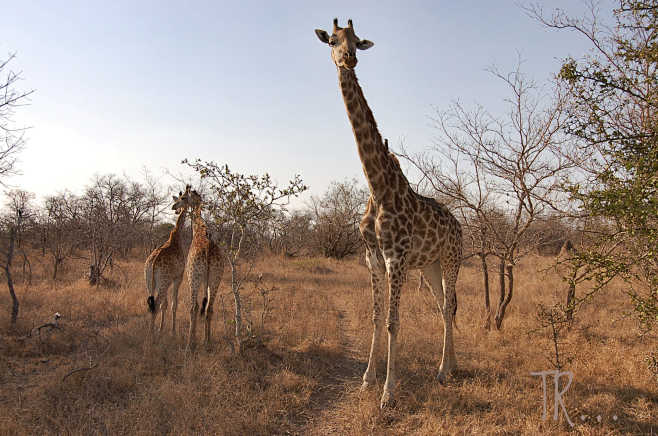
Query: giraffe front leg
point(396, 273)
point(377, 281)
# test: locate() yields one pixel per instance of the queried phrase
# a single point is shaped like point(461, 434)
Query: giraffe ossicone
point(401, 229)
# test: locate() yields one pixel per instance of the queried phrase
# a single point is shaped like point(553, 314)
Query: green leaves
point(613, 111)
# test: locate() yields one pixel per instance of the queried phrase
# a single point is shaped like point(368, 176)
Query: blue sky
point(124, 85)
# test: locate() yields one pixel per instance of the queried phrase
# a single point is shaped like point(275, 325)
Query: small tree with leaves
point(239, 207)
point(613, 114)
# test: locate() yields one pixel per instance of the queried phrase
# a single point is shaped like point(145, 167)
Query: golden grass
point(300, 373)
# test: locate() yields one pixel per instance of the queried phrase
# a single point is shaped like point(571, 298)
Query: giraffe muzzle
point(350, 61)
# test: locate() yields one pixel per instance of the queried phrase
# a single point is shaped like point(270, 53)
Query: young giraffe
point(401, 229)
point(205, 266)
point(164, 266)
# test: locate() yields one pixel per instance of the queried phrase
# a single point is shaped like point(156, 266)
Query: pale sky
point(125, 84)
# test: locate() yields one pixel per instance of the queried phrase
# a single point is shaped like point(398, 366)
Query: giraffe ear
point(364, 44)
point(174, 198)
point(322, 35)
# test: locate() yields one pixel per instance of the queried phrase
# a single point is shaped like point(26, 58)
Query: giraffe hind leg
point(442, 283)
point(174, 303)
point(215, 276)
point(194, 280)
point(164, 303)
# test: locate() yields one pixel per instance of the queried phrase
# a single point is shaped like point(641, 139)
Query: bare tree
point(502, 174)
point(156, 202)
point(64, 225)
point(103, 213)
point(336, 217)
point(21, 213)
point(289, 234)
point(12, 138)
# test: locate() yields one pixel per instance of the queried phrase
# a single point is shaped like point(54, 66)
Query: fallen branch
point(87, 368)
point(51, 325)
point(79, 370)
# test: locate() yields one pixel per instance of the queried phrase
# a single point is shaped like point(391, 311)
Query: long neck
point(384, 177)
point(198, 226)
point(177, 233)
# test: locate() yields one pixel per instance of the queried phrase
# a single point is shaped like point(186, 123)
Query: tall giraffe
point(401, 229)
point(165, 266)
point(205, 266)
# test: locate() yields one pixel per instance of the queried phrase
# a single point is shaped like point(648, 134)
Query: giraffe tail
point(204, 303)
point(150, 285)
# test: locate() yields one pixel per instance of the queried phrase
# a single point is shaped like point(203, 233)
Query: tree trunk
point(14, 299)
point(94, 275)
point(571, 295)
point(504, 299)
point(10, 282)
point(485, 282)
point(238, 306)
point(55, 268)
point(26, 263)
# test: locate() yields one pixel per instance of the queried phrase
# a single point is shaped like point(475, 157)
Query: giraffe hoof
point(443, 376)
point(388, 401)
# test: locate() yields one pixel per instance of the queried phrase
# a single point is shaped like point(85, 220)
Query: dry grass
point(300, 374)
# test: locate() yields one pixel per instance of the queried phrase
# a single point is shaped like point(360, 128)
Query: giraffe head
point(190, 199)
point(180, 201)
point(343, 43)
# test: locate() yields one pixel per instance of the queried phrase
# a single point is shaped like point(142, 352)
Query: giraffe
point(165, 267)
point(401, 229)
point(204, 268)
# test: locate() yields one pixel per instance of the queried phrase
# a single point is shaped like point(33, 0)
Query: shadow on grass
point(332, 373)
